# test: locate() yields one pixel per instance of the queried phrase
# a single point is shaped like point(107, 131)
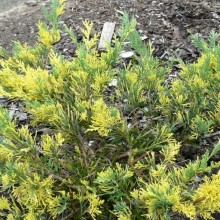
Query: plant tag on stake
point(106, 35)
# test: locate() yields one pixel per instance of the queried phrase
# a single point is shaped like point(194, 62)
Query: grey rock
point(31, 3)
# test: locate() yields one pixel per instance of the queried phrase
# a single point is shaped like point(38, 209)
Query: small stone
point(127, 54)
point(90, 143)
point(114, 82)
point(144, 37)
point(145, 109)
point(22, 116)
point(31, 3)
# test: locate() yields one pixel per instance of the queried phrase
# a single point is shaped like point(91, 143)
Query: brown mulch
point(166, 23)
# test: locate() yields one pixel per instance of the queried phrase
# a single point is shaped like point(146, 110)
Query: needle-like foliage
point(113, 151)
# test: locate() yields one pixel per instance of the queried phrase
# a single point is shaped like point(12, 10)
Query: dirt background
point(165, 22)
point(10, 5)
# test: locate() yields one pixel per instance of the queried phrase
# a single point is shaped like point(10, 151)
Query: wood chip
point(127, 54)
point(106, 35)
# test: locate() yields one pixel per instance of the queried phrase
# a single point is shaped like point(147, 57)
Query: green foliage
point(101, 161)
point(192, 101)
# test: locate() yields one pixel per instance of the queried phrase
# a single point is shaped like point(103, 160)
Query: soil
point(167, 23)
point(20, 23)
